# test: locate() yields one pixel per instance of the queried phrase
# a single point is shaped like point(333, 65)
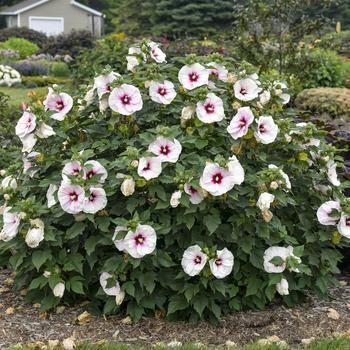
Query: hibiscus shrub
point(180, 189)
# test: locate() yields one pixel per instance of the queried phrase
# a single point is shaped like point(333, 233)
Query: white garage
point(47, 25)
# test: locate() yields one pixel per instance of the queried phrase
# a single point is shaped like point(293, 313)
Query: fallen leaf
point(36, 306)
point(53, 343)
point(60, 309)
point(9, 282)
point(10, 311)
point(307, 341)
point(230, 344)
point(348, 306)
point(343, 283)
point(43, 315)
point(333, 314)
point(69, 344)
point(127, 320)
point(115, 334)
point(83, 318)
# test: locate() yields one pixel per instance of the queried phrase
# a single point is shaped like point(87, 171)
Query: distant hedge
point(31, 35)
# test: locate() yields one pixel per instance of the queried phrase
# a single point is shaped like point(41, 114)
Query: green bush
point(339, 42)
point(321, 68)
point(31, 35)
point(24, 47)
point(60, 69)
point(174, 180)
point(40, 81)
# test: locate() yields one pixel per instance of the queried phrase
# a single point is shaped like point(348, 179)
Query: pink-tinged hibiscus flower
point(246, 89)
point(95, 201)
point(166, 150)
point(50, 195)
point(60, 103)
point(103, 83)
point(26, 124)
point(222, 265)
point(93, 168)
point(240, 123)
point(217, 180)
point(211, 110)
point(111, 291)
point(45, 131)
point(10, 228)
point(332, 173)
point(193, 76)
point(28, 142)
point(140, 242)
point(193, 260)
point(156, 53)
point(71, 169)
point(149, 167)
point(196, 194)
point(125, 99)
point(236, 170)
point(324, 213)
point(344, 225)
point(276, 252)
point(119, 243)
point(163, 93)
point(267, 130)
point(219, 71)
point(71, 198)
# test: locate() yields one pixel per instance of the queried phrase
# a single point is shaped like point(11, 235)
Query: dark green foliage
point(69, 44)
point(31, 35)
point(192, 18)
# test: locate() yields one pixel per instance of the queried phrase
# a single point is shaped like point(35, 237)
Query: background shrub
point(69, 44)
point(60, 69)
point(44, 81)
point(31, 35)
point(320, 67)
point(27, 68)
point(24, 47)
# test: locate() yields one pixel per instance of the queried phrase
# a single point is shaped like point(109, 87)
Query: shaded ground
point(305, 321)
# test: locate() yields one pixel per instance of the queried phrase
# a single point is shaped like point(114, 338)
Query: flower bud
point(119, 298)
point(58, 290)
point(134, 163)
point(282, 287)
point(231, 78)
point(187, 113)
point(175, 199)
point(274, 185)
point(236, 105)
point(34, 237)
point(128, 187)
point(7, 197)
point(47, 274)
point(148, 83)
point(267, 215)
point(2, 172)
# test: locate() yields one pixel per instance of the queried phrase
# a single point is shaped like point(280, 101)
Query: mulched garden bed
point(312, 319)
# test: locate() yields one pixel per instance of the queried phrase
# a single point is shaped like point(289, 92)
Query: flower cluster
point(9, 76)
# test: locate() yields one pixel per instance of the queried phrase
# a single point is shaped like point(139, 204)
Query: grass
point(19, 95)
point(327, 344)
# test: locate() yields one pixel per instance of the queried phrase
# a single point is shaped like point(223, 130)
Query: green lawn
point(19, 95)
point(328, 344)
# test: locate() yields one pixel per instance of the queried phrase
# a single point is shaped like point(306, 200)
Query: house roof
point(29, 4)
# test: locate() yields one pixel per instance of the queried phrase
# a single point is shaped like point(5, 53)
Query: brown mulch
point(290, 324)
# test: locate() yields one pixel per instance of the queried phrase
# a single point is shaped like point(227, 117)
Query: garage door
point(47, 25)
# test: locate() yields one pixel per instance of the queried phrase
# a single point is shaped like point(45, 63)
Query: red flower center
point(347, 221)
point(90, 174)
point(147, 166)
point(197, 259)
point(210, 108)
point(108, 88)
point(214, 72)
point(218, 262)
point(92, 196)
point(217, 178)
point(165, 150)
point(125, 99)
point(59, 105)
point(193, 76)
point(139, 239)
point(242, 122)
point(243, 91)
point(73, 196)
point(193, 190)
point(262, 128)
point(162, 91)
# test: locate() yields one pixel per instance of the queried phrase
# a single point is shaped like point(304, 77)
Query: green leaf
point(38, 282)
point(39, 257)
point(199, 303)
point(77, 286)
point(135, 311)
point(212, 222)
point(177, 303)
point(254, 284)
point(75, 230)
point(129, 288)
